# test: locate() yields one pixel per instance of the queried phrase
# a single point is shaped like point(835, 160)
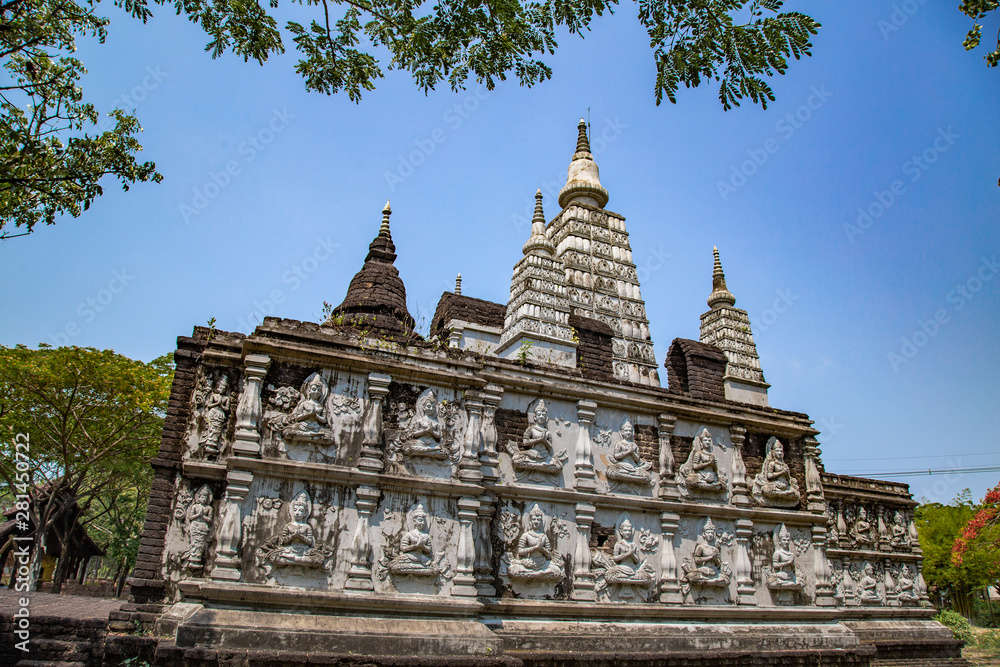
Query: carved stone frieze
point(532, 556)
point(214, 401)
point(294, 551)
point(701, 472)
point(774, 485)
point(784, 574)
point(706, 567)
point(625, 573)
point(194, 513)
point(627, 468)
point(415, 555)
point(534, 458)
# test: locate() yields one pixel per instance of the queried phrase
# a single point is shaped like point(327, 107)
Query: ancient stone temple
point(515, 488)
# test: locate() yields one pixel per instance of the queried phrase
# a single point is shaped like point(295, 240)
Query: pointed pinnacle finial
point(720, 296)
point(386, 212)
point(582, 142)
point(538, 239)
point(539, 215)
point(458, 284)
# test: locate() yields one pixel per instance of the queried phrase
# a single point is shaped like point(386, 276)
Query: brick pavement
point(66, 606)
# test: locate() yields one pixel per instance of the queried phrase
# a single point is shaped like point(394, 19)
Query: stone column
point(584, 475)
point(821, 569)
point(849, 600)
point(744, 572)
point(489, 461)
point(741, 494)
point(484, 547)
point(468, 465)
point(359, 576)
point(883, 534)
point(891, 597)
point(921, 585)
point(665, 429)
point(911, 528)
point(464, 584)
point(371, 445)
point(583, 579)
point(248, 411)
point(670, 589)
point(814, 483)
point(227, 559)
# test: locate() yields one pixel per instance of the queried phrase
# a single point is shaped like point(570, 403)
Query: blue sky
point(271, 194)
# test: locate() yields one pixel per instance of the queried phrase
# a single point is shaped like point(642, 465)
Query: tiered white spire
point(538, 312)
point(728, 328)
point(601, 280)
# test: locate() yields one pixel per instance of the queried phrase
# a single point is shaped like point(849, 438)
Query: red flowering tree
point(978, 544)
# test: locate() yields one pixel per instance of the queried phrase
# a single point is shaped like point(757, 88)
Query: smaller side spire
point(386, 212)
point(720, 296)
point(538, 239)
point(458, 285)
point(582, 141)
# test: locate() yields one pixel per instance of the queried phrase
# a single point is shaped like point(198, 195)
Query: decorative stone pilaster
point(584, 474)
point(891, 595)
point(849, 599)
point(465, 580)
point(744, 573)
point(814, 484)
point(359, 576)
point(489, 461)
point(914, 537)
point(246, 442)
point(371, 445)
point(668, 482)
point(921, 585)
point(227, 559)
point(883, 534)
point(468, 465)
point(821, 569)
point(741, 494)
point(583, 579)
point(670, 589)
point(484, 547)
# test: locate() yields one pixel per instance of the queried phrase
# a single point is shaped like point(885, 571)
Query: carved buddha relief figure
point(627, 465)
point(424, 433)
point(416, 556)
point(534, 557)
point(861, 531)
point(626, 571)
point(198, 522)
point(701, 470)
point(535, 456)
point(867, 590)
point(774, 486)
point(706, 568)
point(906, 587)
point(296, 545)
point(216, 414)
point(899, 532)
point(783, 574)
point(309, 422)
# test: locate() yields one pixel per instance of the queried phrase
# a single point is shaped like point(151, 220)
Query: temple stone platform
point(516, 487)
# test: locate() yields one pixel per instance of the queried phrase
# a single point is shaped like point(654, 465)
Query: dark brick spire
point(376, 297)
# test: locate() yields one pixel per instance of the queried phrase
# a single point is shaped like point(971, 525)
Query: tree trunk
point(83, 570)
point(121, 582)
point(62, 567)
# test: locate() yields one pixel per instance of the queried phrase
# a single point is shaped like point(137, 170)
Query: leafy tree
point(938, 526)
point(977, 11)
point(978, 545)
point(50, 163)
point(93, 419)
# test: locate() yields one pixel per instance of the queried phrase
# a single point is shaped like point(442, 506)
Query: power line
point(928, 471)
point(901, 458)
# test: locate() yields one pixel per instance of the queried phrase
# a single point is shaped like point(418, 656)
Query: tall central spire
point(583, 183)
